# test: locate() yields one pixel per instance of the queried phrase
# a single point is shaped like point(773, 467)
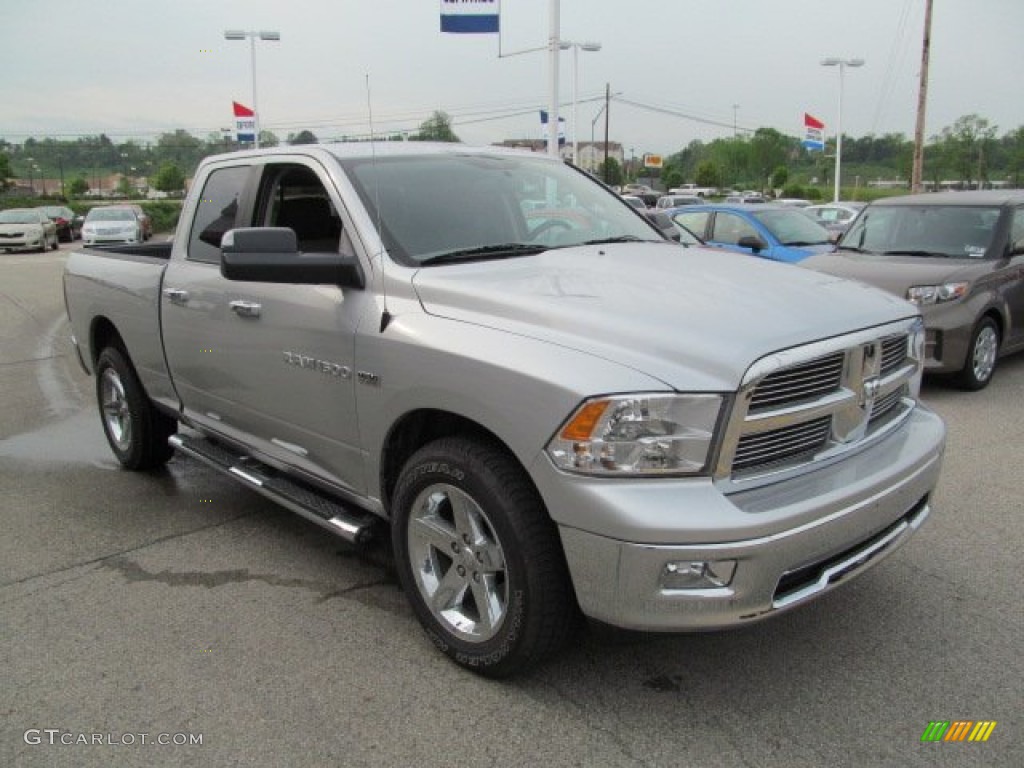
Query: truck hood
point(694, 318)
point(895, 274)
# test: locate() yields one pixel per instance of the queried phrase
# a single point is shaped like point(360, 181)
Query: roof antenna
point(385, 316)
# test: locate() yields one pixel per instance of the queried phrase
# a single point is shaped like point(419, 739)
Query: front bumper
point(104, 239)
point(790, 541)
point(26, 243)
point(948, 329)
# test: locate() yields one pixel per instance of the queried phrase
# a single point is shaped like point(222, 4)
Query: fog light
point(697, 574)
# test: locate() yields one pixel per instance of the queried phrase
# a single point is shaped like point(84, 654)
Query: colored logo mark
point(958, 730)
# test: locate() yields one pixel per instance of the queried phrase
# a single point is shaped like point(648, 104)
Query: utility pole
point(922, 100)
point(607, 111)
point(554, 47)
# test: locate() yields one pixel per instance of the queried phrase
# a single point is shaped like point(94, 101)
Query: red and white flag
point(245, 123)
point(814, 138)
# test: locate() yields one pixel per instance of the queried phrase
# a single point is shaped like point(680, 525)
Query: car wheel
point(136, 431)
point(982, 355)
point(479, 558)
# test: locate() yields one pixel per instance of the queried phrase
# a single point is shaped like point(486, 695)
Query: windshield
point(19, 216)
point(443, 204)
point(924, 230)
point(110, 214)
point(793, 227)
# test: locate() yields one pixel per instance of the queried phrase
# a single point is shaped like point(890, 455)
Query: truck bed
point(160, 251)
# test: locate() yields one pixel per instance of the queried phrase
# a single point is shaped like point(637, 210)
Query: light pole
point(842, 64)
point(241, 34)
point(735, 111)
point(589, 46)
point(553, 50)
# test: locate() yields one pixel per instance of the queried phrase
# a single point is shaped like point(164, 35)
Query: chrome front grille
point(812, 379)
point(894, 353)
point(884, 406)
point(811, 404)
point(761, 448)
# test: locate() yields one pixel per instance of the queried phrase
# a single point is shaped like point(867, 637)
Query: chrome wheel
point(116, 413)
point(983, 355)
point(458, 562)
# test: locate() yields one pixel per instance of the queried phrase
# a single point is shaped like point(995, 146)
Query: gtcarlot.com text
point(56, 737)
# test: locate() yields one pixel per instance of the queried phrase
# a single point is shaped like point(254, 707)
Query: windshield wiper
point(798, 243)
point(853, 248)
point(910, 252)
point(619, 239)
point(502, 251)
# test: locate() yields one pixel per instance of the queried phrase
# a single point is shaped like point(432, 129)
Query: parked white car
point(112, 224)
point(26, 229)
point(835, 217)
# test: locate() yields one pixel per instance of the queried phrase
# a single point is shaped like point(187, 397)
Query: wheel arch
point(425, 425)
point(102, 334)
point(997, 316)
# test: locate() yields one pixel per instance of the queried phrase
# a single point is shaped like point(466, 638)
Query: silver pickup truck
point(551, 410)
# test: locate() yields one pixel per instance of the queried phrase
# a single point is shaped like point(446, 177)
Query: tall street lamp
point(589, 46)
point(842, 64)
point(241, 34)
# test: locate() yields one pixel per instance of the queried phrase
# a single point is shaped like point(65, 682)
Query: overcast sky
point(134, 68)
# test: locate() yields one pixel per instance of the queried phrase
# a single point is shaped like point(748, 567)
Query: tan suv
point(957, 255)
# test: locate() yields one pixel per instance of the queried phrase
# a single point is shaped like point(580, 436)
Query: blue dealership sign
point(470, 16)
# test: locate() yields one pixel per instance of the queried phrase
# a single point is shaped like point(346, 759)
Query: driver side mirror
point(753, 242)
point(271, 255)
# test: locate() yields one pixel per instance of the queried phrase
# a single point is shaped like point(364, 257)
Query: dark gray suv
point(957, 255)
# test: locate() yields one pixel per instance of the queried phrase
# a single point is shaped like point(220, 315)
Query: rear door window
point(216, 213)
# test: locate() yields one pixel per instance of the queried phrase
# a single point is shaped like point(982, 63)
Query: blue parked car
point(777, 232)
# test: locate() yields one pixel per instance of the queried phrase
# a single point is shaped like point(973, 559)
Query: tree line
point(164, 163)
point(970, 151)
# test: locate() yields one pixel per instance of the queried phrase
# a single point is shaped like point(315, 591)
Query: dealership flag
point(815, 136)
point(245, 123)
point(470, 16)
point(544, 127)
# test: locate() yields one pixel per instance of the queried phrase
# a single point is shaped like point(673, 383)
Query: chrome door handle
point(245, 308)
point(176, 295)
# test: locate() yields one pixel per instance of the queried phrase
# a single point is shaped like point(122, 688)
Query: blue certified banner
point(470, 16)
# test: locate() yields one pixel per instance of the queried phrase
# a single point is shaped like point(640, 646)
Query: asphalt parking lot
point(180, 605)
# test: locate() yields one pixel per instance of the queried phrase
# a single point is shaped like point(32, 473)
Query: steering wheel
point(549, 224)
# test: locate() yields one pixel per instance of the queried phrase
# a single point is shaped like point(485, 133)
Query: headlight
point(936, 294)
point(916, 352)
point(629, 435)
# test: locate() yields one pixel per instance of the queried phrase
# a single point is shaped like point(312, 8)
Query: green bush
point(794, 190)
point(164, 214)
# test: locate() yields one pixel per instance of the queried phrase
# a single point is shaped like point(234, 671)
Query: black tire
point(982, 356)
point(136, 431)
point(513, 561)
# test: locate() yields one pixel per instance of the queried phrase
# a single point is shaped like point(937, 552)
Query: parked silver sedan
point(112, 224)
point(26, 229)
point(835, 217)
